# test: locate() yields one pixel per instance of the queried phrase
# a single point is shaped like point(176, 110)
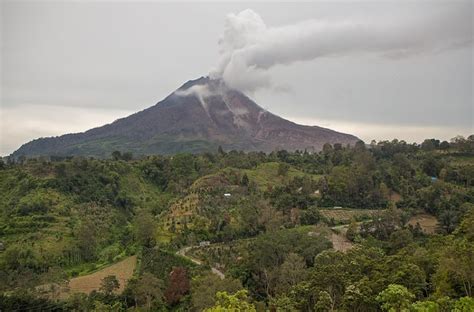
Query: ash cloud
point(249, 48)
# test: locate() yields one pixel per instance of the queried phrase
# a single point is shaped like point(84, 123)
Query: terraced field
point(345, 215)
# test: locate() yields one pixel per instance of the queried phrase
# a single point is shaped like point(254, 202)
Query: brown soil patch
point(395, 197)
point(428, 223)
point(340, 242)
point(123, 270)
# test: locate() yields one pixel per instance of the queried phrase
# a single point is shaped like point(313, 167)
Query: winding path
point(182, 252)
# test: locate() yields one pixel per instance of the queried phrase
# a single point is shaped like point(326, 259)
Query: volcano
point(198, 117)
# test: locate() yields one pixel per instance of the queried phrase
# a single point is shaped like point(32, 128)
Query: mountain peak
point(199, 116)
point(199, 81)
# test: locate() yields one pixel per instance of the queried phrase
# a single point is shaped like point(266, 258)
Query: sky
point(376, 69)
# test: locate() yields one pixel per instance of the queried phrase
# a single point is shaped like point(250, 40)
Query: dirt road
point(182, 252)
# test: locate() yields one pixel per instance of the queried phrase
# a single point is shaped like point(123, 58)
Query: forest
point(385, 226)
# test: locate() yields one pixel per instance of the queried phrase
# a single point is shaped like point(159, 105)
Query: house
point(227, 195)
point(204, 243)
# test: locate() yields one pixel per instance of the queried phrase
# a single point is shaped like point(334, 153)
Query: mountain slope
point(198, 117)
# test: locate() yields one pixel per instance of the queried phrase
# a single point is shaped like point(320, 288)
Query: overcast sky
point(375, 69)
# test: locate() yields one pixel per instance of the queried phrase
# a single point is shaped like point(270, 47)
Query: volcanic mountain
point(198, 117)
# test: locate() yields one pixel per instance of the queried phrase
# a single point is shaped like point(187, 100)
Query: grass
point(266, 174)
point(462, 160)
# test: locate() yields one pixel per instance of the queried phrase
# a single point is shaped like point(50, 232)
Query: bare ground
point(123, 270)
point(428, 223)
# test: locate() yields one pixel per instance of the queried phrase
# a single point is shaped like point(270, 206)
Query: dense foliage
point(267, 221)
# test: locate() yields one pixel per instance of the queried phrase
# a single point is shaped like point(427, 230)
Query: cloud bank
point(249, 48)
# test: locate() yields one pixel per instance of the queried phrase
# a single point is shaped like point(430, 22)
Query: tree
point(428, 145)
point(103, 307)
point(204, 290)
point(220, 151)
point(359, 146)
point(178, 285)
point(56, 278)
point(232, 303)
point(425, 306)
point(145, 229)
point(324, 302)
point(327, 148)
point(146, 290)
point(395, 298)
point(329, 277)
point(444, 145)
point(352, 229)
point(359, 297)
point(291, 272)
point(245, 180)
point(282, 303)
point(464, 304)
point(109, 284)
point(78, 302)
point(87, 240)
point(449, 219)
point(466, 228)
point(310, 216)
point(432, 166)
point(116, 155)
point(127, 156)
point(400, 238)
point(457, 267)
point(283, 169)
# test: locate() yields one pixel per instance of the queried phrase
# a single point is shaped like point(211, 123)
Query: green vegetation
point(267, 221)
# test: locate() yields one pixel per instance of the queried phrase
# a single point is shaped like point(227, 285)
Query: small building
point(227, 195)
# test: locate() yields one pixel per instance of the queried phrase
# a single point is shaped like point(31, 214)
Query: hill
point(262, 219)
point(198, 117)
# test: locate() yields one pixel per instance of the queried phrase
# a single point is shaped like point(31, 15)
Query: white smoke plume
point(201, 92)
point(249, 48)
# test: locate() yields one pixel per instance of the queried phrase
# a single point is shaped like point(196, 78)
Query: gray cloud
point(70, 66)
point(249, 47)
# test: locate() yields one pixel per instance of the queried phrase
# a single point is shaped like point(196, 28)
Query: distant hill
point(200, 116)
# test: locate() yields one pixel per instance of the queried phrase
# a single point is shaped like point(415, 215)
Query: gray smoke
point(249, 48)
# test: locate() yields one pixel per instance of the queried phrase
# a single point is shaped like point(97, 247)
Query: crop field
point(123, 270)
point(428, 223)
point(346, 215)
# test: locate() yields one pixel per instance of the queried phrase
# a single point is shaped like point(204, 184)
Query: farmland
point(122, 270)
point(428, 223)
point(345, 215)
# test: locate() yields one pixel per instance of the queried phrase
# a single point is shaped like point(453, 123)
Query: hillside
point(198, 117)
point(268, 221)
